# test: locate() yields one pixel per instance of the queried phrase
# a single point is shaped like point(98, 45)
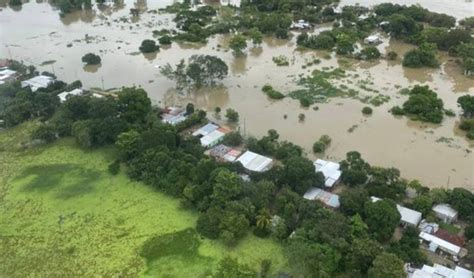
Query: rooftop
point(206, 129)
point(40, 81)
point(439, 271)
point(327, 198)
point(210, 138)
point(330, 171)
point(64, 95)
point(445, 209)
point(436, 242)
point(255, 162)
point(407, 215)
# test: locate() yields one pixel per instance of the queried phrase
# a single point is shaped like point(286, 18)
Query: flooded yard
point(437, 155)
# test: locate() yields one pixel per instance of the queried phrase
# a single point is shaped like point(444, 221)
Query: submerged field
point(62, 214)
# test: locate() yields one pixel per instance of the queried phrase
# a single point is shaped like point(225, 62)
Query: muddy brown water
point(437, 155)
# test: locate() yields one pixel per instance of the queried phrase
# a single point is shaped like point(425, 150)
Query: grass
point(63, 215)
point(452, 229)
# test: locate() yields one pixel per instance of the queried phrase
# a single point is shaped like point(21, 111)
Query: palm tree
point(263, 219)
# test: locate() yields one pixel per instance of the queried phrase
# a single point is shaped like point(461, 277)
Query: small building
point(213, 138)
point(255, 162)
point(40, 81)
point(373, 39)
point(300, 25)
point(225, 153)
point(439, 271)
point(330, 170)
point(173, 115)
point(446, 213)
point(7, 75)
point(407, 216)
point(64, 95)
point(327, 198)
point(205, 130)
point(428, 227)
point(435, 243)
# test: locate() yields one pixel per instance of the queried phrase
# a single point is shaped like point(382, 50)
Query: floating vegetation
point(281, 60)
point(317, 87)
point(48, 62)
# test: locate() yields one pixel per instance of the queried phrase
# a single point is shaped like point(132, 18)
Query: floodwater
point(437, 155)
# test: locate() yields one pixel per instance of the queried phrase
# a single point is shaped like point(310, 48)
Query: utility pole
point(102, 79)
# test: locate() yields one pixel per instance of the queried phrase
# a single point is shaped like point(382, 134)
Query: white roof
point(64, 95)
point(40, 81)
point(407, 215)
point(439, 271)
point(6, 73)
point(204, 130)
point(255, 162)
point(211, 138)
point(446, 210)
point(330, 171)
point(328, 198)
point(441, 243)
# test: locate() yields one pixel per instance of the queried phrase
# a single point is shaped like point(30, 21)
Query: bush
point(149, 46)
point(272, 93)
point(114, 167)
point(91, 59)
point(15, 3)
point(305, 102)
point(45, 132)
point(367, 110)
point(217, 110)
point(281, 60)
point(232, 115)
point(165, 39)
point(424, 56)
point(392, 55)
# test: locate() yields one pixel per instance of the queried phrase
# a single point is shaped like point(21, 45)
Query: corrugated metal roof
point(327, 198)
point(255, 162)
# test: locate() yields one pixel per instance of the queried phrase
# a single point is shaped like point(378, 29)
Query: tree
point(134, 105)
point(189, 108)
point(402, 26)
point(424, 56)
point(232, 139)
point(232, 115)
point(387, 265)
point(165, 40)
point(423, 204)
point(424, 104)
point(308, 259)
point(300, 175)
point(208, 223)
point(467, 105)
point(353, 201)
point(15, 3)
point(262, 222)
point(114, 167)
point(382, 217)
point(466, 52)
point(206, 69)
point(369, 53)
point(463, 201)
point(256, 36)
point(238, 43)
point(354, 169)
point(344, 44)
point(362, 253)
point(91, 59)
point(321, 145)
point(149, 46)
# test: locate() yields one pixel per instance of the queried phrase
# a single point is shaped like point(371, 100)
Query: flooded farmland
point(437, 155)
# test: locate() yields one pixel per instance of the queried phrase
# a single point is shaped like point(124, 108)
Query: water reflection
point(238, 65)
point(150, 56)
point(206, 97)
point(92, 68)
point(86, 16)
point(256, 51)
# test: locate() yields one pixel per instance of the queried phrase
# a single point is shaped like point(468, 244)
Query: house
point(327, 198)
point(225, 153)
point(173, 115)
point(373, 39)
point(446, 213)
point(205, 130)
point(330, 170)
point(7, 75)
point(407, 216)
point(428, 227)
point(435, 243)
point(214, 137)
point(64, 95)
point(439, 271)
point(255, 162)
point(40, 81)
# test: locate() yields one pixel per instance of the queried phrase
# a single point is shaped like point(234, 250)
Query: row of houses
point(438, 271)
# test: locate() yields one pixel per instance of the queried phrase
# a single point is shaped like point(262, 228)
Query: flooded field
point(437, 155)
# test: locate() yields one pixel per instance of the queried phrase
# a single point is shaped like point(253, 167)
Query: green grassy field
point(62, 214)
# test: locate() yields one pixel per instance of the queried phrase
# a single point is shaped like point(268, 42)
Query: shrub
point(321, 145)
point(424, 56)
point(305, 102)
point(367, 110)
point(281, 60)
point(397, 110)
point(91, 59)
point(301, 117)
point(165, 39)
point(217, 110)
point(45, 132)
point(272, 93)
point(149, 46)
point(369, 53)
